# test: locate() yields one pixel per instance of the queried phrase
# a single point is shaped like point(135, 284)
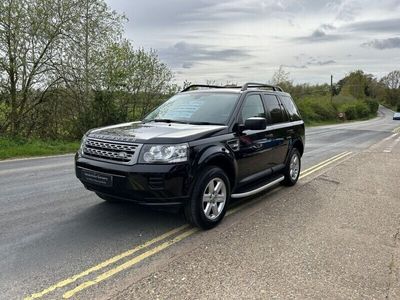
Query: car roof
point(234, 91)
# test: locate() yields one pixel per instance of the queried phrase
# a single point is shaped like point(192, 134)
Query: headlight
point(164, 153)
point(83, 140)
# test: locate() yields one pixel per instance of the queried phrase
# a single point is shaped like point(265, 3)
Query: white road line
point(37, 168)
point(36, 158)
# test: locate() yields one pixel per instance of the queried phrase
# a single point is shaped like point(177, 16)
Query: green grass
point(13, 148)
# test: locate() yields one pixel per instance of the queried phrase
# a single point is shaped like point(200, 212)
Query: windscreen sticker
point(184, 111)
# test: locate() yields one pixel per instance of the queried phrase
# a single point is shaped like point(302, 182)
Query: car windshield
point(196, 108)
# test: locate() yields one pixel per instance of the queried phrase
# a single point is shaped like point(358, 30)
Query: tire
point(292, 168)
point(108, 198)
point(205, 209)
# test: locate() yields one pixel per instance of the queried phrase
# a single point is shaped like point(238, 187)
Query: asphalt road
point(52, 228)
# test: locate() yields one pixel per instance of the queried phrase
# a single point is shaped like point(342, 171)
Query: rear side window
point(252, 107)
point(291, 108)
point(278, 115)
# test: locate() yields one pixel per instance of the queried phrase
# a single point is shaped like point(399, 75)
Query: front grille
point(120, 152)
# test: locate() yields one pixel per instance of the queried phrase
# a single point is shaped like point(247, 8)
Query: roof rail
point(248, 85)
point(245, 87)
point(192, 86)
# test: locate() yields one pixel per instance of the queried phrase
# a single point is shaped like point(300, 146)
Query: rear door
point(279, 128)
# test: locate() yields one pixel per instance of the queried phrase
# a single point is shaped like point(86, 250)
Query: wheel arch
point(222, 158)
point(299, 146)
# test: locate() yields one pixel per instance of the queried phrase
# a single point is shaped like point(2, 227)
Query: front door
point(253, 155)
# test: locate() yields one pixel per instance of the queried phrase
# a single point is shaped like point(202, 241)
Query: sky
point(247, 40)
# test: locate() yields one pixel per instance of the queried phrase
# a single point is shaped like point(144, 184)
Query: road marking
point(389, 137)
point(327, 163)
point(151, 251)
point(245, 203)
point(129, 263)
point(37, 157)
point(105, 263)
point(324, 162)
point(37, 168)
point(389, 148)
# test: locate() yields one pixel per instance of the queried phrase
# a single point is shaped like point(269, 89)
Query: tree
point(392, 80)
point(358, 84)
point(30, 32)
point(139, 74)
point(52, 51)
point(282, 79)
point(82, 54)
point(391, 95)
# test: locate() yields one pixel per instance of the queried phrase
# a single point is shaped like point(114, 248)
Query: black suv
point(199, 149)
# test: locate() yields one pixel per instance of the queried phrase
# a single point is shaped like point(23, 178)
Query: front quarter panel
point(214, 151)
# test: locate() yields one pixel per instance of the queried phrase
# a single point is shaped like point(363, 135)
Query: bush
point(319, 109)
point(372, 105)
point(356, 110)
point(315, 109)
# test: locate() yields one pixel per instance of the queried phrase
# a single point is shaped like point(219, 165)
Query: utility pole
point(331, 89)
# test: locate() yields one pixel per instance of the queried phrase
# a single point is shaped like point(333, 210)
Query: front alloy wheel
point(214, 198)
point(208, 203)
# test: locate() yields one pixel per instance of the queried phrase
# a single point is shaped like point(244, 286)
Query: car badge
point(122, 155)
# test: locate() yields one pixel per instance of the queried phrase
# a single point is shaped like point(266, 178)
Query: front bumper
point(153, 184)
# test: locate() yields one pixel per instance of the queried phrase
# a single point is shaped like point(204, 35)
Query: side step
point(259, 189)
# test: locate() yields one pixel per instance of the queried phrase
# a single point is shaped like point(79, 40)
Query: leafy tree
point(140, 74)
point(282, 79)
point(391, 93)
point(82, 54)
point(30, 32)
point(355, 84)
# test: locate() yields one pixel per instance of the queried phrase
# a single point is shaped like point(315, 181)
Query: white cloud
point(248, 39)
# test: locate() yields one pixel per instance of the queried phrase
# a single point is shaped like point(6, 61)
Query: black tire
point(108, 198)
point(194, 210)
point(289, 179)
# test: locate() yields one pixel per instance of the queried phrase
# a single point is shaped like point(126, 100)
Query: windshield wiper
point(205, 123)
point(166, 121)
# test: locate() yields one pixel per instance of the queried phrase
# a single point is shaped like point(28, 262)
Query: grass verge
point(15, 148)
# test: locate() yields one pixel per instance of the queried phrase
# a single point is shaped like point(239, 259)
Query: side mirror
point(255, 123)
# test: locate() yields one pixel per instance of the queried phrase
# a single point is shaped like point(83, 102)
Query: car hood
point(155, 132)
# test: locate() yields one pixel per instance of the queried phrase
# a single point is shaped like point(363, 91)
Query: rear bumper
point(140, 183)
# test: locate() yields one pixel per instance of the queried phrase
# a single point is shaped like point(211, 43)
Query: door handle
point(269, 136)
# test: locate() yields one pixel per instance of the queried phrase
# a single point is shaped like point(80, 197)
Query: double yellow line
point(105, 263)
point(180, 233)
point(324, 164)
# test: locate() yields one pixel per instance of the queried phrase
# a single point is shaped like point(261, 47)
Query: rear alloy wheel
point(292, 169)
point(209, 200)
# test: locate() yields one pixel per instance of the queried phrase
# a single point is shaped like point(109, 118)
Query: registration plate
point(97, 178)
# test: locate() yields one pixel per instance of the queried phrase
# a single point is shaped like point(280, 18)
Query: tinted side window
point(291, 108)
point(252, 107)
point(278, 115)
